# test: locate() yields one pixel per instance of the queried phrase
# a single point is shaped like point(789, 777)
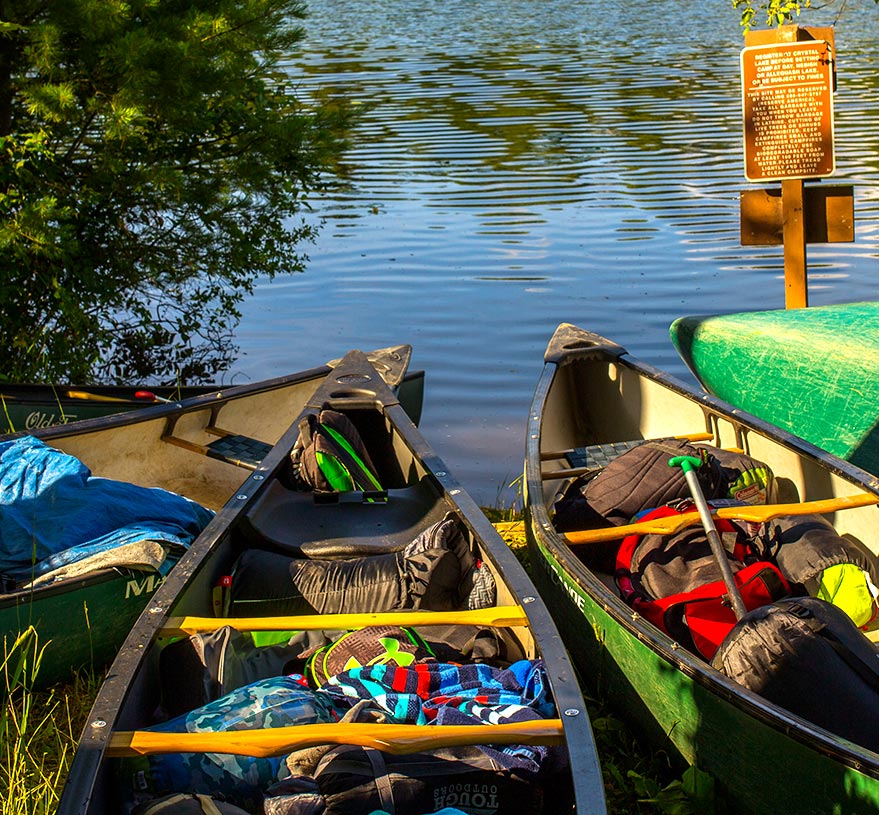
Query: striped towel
point(445, 693)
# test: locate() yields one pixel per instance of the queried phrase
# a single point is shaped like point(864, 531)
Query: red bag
point(698, 614)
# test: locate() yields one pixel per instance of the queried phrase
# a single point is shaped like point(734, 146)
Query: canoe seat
point(285, 520)
point(240, 450)
point(233, 448)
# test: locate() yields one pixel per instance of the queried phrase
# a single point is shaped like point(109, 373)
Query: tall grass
point(38, 729)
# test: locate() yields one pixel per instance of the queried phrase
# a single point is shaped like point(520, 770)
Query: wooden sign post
point(787, 102)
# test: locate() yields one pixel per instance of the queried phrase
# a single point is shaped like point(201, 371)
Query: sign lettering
point(787, 102)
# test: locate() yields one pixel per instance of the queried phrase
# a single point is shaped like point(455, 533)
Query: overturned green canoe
point(811, 371)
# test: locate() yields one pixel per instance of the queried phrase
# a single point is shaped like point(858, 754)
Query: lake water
point(521, 163)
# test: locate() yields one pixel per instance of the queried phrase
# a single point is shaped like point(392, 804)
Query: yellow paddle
point(71, 394)
point(758, 513)
point(397, 739)
point(497, 616)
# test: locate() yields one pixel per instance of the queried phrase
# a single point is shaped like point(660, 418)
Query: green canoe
point(812, 371)
point(591, 400)
point(192, 448)
point(32, 407)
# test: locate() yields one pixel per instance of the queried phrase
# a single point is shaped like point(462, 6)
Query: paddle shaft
point(688, 465)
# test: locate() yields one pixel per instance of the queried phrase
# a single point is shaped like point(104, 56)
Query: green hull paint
point(81, 623)
point(756, 768)
point(33, 407)
point(810, 371)
point(17, 416)
point(764, 759)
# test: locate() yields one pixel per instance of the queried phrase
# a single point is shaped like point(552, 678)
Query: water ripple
point(522, 162)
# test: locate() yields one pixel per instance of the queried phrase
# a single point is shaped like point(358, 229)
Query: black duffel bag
point(807, 656)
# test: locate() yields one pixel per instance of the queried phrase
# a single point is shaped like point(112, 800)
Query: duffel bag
point(807, 656)
point(352, 780)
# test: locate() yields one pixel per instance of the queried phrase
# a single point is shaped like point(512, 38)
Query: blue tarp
point(53, 511)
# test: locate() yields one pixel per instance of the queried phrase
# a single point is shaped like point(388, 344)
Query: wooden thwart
point(397, 739)
point(758, 513)
point(497, 616)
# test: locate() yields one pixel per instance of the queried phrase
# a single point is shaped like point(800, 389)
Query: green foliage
point(693, 794)
point(154, 162)
point(38, 730)
point(777, 12)
point(28, 783)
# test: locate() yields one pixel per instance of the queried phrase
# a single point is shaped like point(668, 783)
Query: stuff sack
point(330, 456)
point(277, 702)
point(436, 571)
point(204, 667)
point(807, 656)
point(821, 563)
point(675, 582)
point(351, 780)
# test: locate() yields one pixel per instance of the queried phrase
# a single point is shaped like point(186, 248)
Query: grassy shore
point(39, 730)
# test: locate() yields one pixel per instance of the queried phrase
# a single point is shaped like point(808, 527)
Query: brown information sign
point(787, 100)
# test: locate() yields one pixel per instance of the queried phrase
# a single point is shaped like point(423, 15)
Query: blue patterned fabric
point(445, 693)
point(275, 702)
point(53, 511)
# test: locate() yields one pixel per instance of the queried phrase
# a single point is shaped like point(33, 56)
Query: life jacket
point(674, 581)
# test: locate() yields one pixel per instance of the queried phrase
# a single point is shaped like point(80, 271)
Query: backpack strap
point(343, 468)
point(382, 780)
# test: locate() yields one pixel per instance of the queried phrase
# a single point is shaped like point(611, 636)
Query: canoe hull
point(80, 623)
point(811, 371)
point(34, 407)
point(762, 758)
point(674, 713)
point(31, 408)
point(267, 514)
